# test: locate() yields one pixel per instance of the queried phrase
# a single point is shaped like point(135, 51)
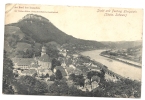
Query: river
point(120, 68)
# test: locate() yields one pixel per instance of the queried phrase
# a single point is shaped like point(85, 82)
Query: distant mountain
point(122, 44)
point(34, 28)
point(41, 30)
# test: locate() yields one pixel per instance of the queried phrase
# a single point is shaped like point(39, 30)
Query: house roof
point(23, 61)
point(77, 71)
point(41, 70)
point(96, 78)
point(68, 61)
point(69, 70)
point(72, 66)
point(44, 70)
point(34, 65)
point(15, 60)
point(44, 58)
point(61, 59)
point(87, 81)
point(62, 70)
point(30, 71)
point(92, 67)
point(70, 83)
point(83, 68)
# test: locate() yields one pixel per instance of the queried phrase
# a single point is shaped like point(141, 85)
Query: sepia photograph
point(72, 51)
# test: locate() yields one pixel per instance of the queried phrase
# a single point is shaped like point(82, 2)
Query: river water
point(120, 68)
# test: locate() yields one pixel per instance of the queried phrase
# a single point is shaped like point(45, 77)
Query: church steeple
point(43, 52)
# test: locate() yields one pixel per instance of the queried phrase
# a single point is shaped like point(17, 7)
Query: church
point(43, 61)
point(41, 64)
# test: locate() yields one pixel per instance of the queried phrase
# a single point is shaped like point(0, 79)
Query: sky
point(89, 23)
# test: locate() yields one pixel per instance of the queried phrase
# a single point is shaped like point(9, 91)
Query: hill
point(41, 30)
point(122, 44)
point(34, 28)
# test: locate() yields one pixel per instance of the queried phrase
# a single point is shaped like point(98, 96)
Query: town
point(65, 67)
point(40, 59)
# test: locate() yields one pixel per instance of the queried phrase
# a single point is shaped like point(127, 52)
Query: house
point(15, 71)
point(94, 85)
point(72, 66)
point(88, 88)
point(19, 71)
point(87, 82)
point(77, 72)
point(22, 63)
point(84, 69)
point(75, 55)
point(44, 72)
point(63, 52)
point(27, 63)
point(32, 66)
point(93, 67)
point(70, 83)
point(69, 70)
point(91, 85)
point(68, 61)
point(63, 64)
point(95, 78)
point(86, 64)
point(30, 72)
point(74, 61)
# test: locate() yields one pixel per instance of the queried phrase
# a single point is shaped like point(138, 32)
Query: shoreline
point(108, 67)
point(105, 68)
point(121, 61)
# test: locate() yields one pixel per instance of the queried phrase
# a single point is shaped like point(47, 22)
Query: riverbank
point(120, 68)
point(105, 68)
point(123, 61)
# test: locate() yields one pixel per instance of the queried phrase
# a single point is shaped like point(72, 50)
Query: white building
point(40, 65)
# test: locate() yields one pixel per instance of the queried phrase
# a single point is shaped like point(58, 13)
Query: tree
point(72, 76)
point(78, 79)
point(58, 75)
point(8, 76)
point(102, 75)
point(59, 88)
point(73, 91)
point(91, 74)
point(53, 53)
point(7, 88)
point(47, 75)
point(28, 54)
point(54, 63)
point(52, 78)
point(30, 85)
point(122, 88)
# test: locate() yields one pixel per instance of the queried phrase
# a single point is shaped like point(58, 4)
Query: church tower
point(43, 52)
point(44, 61)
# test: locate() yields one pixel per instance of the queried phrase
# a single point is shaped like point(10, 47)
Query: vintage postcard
point(72, 51)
